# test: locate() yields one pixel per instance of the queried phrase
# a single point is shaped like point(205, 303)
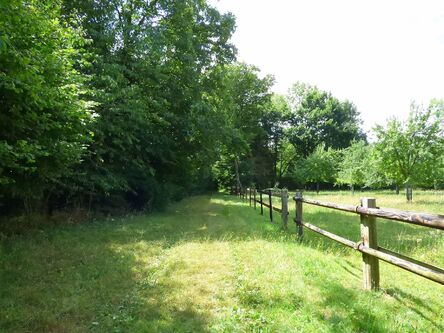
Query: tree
point(156, 70)
point(320, 166)
point(244, 100)
point(286, 159)
point(355, 165)
point(318, 117)
point(410, 150)
point(275, 122)
point(43, 97)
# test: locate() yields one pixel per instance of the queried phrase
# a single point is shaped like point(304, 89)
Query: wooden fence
point(264, 198)
point(368, 246)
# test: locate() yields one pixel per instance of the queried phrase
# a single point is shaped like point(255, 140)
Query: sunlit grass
point(214, 264)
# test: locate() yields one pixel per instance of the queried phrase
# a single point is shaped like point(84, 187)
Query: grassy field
point(213, 264)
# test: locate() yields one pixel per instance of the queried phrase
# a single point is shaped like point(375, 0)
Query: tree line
point(319, 143)
point(128, 104)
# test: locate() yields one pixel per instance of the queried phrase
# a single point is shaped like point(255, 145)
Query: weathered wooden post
point(254, 197)
point(270, 201)
point(298, 219)
point(369, 239)
point(262, 207)
point(284, 200)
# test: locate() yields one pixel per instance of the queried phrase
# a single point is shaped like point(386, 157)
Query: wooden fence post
point(299, 226)
point(284, 201)
point(270, 201)
point(262, 207)
point(369, 239)
point(254, 197)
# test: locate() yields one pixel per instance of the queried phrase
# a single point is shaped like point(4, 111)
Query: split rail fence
point(368, 246)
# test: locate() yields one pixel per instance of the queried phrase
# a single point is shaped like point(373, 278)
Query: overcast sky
point(378, 54)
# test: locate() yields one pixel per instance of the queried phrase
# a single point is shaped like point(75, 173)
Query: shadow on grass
point(412, 302)
point(396, 236)
point(342, 311)
point(83, 285)
point(91, 278)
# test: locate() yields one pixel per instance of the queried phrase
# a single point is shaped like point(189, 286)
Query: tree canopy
point(411, 150)
point(318, 117)
point(128, 104)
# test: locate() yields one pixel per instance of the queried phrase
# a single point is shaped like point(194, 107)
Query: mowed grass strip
point(213, 264)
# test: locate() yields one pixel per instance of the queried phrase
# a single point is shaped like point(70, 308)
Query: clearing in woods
point(213, 264)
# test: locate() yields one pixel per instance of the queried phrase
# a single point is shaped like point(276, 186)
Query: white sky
point(378, 54)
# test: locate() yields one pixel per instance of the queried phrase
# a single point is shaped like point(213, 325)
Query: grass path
point(211, 264)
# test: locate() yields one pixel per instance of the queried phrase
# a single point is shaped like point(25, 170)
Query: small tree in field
point(410, 151)
point(353, 168)
point(320, 166)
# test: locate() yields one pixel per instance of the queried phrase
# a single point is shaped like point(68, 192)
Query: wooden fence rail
point(250, 194)
point(368, 246)
point(426, 220)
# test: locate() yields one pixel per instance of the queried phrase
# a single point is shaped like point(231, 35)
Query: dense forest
point(130, 104)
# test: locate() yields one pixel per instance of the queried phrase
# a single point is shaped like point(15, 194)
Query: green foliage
point(248, 126)
point(154, 125)
point(355, 165)
point(150, 72)
point(44, 112)
point(287, 157)
point(411, 152)
point(321, 165)
point(318, 117)
point(128, 104)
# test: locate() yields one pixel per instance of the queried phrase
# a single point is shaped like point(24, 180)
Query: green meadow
point(213, 264)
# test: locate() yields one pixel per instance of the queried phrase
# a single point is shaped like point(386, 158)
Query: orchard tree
point(355, 165)
point(409, 151)
point(321, 166)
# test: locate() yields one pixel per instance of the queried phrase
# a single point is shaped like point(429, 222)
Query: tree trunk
point(275, 162)
point(317, 188)
point(236, 168)
point(46, 205)
point(397, 189)
point(408, 192)
point(352, 188)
